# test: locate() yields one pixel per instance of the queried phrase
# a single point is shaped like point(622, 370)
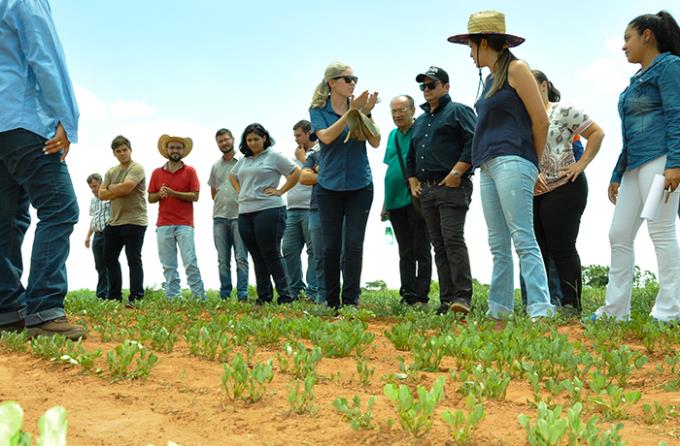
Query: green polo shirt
point(397, 194)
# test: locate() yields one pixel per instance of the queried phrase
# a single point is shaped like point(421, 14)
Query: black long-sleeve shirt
point(440, 139)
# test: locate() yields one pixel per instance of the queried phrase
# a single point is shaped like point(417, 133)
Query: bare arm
point(594, 134)
point(105, 194)
point(308, 177)
point(234, 182)
point(90, 231)
point(291, 180)
point(155, 197)
point(213, 192)
point(523, 81)
point(184, 196)
point(123, 189)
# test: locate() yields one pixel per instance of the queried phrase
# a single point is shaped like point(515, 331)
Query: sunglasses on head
point(348, 79)
point(428, 85)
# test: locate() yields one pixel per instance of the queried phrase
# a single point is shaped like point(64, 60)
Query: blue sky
point(143, 68)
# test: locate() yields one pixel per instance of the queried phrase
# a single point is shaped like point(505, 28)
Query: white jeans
point(634, 188)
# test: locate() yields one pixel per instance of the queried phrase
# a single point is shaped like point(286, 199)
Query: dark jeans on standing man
point(29, 177)
point(415, 258)
point(444, 209)
point(557, 219)
point(352, 207)
point(132, 238)
point(261, 232)
point(100, 265)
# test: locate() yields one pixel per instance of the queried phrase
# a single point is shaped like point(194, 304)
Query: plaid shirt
point(100, 211)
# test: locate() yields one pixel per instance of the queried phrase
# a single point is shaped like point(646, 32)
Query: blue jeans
point(506, 187)
point(226, 236)
point(261, 232)
point(169, 239)
point(350, 208)
point(29, 177)
point(295, 237)
point(317, 242)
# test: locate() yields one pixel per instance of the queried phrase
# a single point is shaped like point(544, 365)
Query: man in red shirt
point(176, 187)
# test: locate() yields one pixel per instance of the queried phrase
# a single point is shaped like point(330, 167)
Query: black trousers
point(444, 209)
point(415, 258)
point(132, 238)
point(557, 219)
point(261, 232)
point(350, 208)
point(100, 265)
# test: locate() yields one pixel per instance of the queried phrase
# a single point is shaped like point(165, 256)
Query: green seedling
point(461, 424)
point(364, 371)
point(581, 433)
point(52, 426)
point(76, 354)
point(621, 362)
point(298, 361)
point(238, 379)
point(208, 342)
point(341, 339)
point(162, 339)
point(301, 395)
point(614, 401)
point(14, 342)
point(415, 413)
point(357, 418)
point(428, 353)
point(483, 383)
point(655, 414)
point(401, 335)
point(549, 429)
point(120, 361)
point(48, 347)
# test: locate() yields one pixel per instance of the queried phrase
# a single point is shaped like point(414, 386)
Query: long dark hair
point(259, 130)
point(665, 30)
point(500, 68)
point(554, 94)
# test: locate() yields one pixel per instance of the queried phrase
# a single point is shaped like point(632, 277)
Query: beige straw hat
point(485, 23)
point(165, 139)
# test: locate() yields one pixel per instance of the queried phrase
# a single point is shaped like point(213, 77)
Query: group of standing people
point(533, 188)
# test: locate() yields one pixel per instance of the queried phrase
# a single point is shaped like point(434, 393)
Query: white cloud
point(130, 110)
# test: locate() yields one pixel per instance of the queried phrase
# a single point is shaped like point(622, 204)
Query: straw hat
point(486, 23)
point(165, 139)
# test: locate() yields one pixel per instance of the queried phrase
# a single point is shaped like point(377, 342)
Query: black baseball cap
point(434, 73)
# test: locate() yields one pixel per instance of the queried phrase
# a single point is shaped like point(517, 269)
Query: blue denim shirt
point(344, 165)
point(650, 116)
point(35, 89)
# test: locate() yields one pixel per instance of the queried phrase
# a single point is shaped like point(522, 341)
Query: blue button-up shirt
point(650, 116)
point(35, 89)
point(344, 165)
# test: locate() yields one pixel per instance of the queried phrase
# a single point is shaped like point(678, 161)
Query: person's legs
point(625, 225)
point(407, 262)
point(134, 241)
point(246, 228)
point(332, 215)
point(317, 241)
point(241, 255)
point(269, 225)
point(357, 208)
point(433, 219)
point(167, 254)
point(291, 246)
point(113, 245)
point(222, 239)
point(422, 253)
point(310, 275)
point(187, 249)
point(100, 265)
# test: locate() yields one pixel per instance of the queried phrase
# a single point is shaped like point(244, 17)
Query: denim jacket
point(650, 116)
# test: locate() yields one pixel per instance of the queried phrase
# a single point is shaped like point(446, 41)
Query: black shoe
point(13, 327)
point(443, 308)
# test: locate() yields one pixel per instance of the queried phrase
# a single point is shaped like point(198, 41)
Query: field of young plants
point(229, 373)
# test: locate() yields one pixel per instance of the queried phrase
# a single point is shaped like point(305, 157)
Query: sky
point(144, 68)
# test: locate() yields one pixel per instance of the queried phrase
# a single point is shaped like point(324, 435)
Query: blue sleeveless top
point(503, 126)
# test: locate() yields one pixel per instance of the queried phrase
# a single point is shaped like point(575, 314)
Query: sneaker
point(460, 306)
point(12, 327)
point(60, 326)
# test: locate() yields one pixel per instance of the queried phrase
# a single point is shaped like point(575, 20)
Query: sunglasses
point(429, 86)
point(348, 79)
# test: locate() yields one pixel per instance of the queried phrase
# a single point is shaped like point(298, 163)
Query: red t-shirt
point(171, 210)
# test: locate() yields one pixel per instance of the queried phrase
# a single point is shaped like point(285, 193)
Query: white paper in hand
point(653, 202)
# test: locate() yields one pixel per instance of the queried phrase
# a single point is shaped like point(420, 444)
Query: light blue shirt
point(35, 90)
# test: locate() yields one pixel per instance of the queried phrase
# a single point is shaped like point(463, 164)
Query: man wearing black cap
point(438, 166)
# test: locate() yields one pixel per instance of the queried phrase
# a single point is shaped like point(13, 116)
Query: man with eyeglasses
point(438, 166)
point(415, 258)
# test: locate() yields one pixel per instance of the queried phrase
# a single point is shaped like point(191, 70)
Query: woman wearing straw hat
point(509, 140)
point(345, 184)
point(262, 214)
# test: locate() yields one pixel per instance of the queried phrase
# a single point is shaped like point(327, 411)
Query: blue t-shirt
point(345, 164)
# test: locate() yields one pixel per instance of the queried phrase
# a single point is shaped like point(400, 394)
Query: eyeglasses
point(348, 79)
point(399, 111)
point(428, 85)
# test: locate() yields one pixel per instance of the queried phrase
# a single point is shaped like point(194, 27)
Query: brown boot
point(12, 327)
point(59, 326)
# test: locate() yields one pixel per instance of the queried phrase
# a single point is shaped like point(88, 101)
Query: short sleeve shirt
point(130, 209)
point(312, 162)
point(100, 212)
point(300, 195)
point(397, 194)
point(173, 211)
point(345, 164)
point(226, 198)
point(565, 122)
point(257, 173)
